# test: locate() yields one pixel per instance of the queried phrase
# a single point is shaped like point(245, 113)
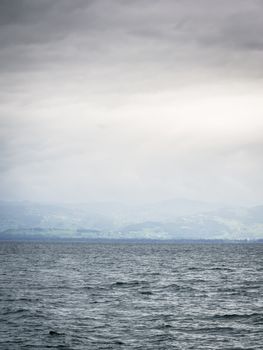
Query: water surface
point(131, 296)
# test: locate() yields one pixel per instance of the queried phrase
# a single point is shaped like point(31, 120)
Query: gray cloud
point(160, 31)
point(133, 100)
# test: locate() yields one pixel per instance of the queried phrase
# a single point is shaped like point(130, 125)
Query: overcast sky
point(139, 100)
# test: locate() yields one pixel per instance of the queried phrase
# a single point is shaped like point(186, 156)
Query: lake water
point(131, 296)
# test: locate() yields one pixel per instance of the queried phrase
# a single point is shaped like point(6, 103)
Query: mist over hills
point(169, 220)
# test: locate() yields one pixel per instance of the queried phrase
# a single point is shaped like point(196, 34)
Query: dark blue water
point(128, 296)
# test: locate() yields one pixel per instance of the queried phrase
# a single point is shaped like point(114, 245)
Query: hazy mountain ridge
point(164, 220)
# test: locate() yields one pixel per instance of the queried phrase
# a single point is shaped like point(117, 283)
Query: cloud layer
point(141, 100)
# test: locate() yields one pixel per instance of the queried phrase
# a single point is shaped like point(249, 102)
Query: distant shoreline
point(133, 241)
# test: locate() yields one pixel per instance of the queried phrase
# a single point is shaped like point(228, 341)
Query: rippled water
point(128, 296)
